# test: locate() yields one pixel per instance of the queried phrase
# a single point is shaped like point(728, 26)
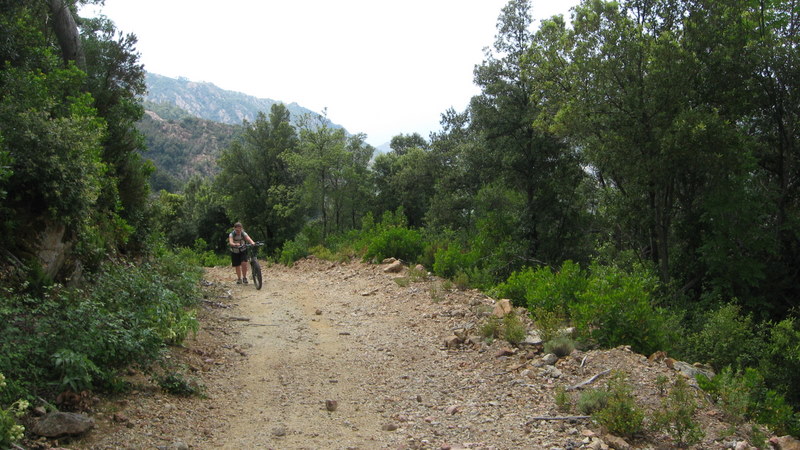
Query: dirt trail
point(350, 335)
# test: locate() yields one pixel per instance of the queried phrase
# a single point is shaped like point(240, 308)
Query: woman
point(236, 240)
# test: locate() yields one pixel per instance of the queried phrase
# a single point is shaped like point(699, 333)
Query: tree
point(256, 181)
point(334, 167)
point(532, 161)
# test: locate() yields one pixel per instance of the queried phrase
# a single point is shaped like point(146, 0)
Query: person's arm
point(247, 238)
point(230, 241)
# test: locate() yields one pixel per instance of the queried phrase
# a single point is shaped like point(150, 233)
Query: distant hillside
point(207, 101)
point(183, 146)
point(189, 123)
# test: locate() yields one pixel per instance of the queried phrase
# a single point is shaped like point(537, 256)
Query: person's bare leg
point(238, 272)
point(244, 270)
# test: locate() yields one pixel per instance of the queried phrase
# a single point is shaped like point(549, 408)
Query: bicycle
point(250, 254)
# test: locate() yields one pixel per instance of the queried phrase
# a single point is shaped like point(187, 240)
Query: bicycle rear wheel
point(256, 274)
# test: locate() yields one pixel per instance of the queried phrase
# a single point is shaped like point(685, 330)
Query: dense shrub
point(78, 338)
point(725, 338)
point(543, 288)
point(451, 259)
point(616, 309)
point(781, 359)
point(744, 395)
point(620, 415)
point(398, 242)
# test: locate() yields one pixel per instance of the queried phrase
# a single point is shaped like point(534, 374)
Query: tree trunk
point(66, 30)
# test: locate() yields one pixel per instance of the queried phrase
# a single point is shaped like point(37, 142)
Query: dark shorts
point(237, 259)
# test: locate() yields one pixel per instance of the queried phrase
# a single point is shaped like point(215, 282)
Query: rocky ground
point(342, 356)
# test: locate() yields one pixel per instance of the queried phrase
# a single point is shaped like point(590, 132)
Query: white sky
point(379, 67)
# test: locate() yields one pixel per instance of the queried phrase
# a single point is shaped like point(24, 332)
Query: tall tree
point(255, 179)
point(532, 161)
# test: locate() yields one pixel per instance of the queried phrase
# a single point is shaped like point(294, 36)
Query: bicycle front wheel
point(256, 274)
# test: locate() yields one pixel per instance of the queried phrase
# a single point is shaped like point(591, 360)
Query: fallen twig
point(560, 418)
point(239, 319)
point(589, 381)
point(262, 325)
point(216, 304)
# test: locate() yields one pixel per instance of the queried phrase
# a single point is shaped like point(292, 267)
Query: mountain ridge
point(208, 101)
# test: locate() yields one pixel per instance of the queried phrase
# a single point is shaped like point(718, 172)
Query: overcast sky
point(379, 67)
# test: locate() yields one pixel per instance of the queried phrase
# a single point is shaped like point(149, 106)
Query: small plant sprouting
point(490, 329)
point(402, 281)
point(437, 292)
point(621, 415)
point(563, 400)
point(176, 384)
point(513, 329)
point(661, 383)
point(592, 400)
point(560, 346)
point(676, 416)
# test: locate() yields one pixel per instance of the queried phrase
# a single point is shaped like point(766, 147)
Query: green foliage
point(258, 186)
point(745, 395)
point(79, 338)
point(11, 432)
point(174, 383)
point(616, 309)
point(513, 329)
point(620, 415)
point(548, 322)
point(780, 364)
point(293, 250)
point(76, 371)
point(726, 338)
point(592, 400)
point(562, 399)
point(560, 346)
point(543, 288)
point(451, 259)
point(398, 242)
point(491, 328)
point(676, 416)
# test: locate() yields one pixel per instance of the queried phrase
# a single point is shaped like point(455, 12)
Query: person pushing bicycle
point(236, 240)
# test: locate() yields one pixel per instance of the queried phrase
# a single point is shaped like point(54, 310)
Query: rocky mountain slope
point(207, 101)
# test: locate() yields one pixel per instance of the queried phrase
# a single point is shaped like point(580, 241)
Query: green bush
point(676, 416)
point(78, 338)
point(293, 251)
point(452, 259)
point(620, 416)
point(397, 242)
point(11, 431)
point(491, 328)
point(725, 338)
point(780, 363)
point(592, 400)
point(744, 395)
point(615, 309)
point(542, 288)
point(513, 329)
point(175, 384)
point(560, 346)
point(547, 322)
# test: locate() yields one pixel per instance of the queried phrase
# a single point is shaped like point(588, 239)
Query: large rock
point(57, 424)
point(394, 267)
point(503, 307)
point(784, 443)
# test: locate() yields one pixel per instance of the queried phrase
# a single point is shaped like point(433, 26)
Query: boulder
point(502, 308)
point(784, 443)
point(57, 424)
point(394, 267)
